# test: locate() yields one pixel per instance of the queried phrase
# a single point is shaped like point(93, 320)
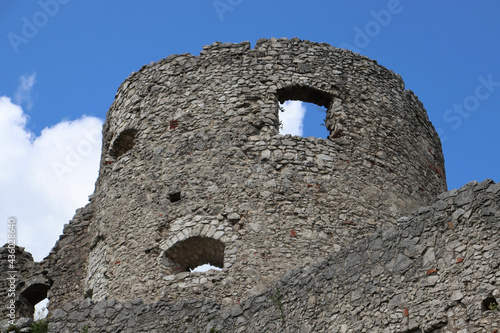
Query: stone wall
point(191, 151)
point(58, 277)
point(437, 270)
point(67, 261)
point(16, 267)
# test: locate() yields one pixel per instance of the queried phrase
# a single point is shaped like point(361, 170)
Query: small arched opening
point(123, 143)
point(194, 252)
point(30, 297)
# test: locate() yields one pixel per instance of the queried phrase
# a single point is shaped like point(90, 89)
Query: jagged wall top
point(280, 50)
point(263, 45)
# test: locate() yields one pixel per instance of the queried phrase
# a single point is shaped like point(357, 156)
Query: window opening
point(31, 296)
point(174, 196)
point(303, 119)
point(194, 252)
point(123, 143)
point(489, 303)
point(303, 111)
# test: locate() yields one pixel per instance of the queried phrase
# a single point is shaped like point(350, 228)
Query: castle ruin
point(353, 233)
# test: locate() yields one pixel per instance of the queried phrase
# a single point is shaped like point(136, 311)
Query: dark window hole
point(31, 296)
point(194, 252)
point(174, 197)
point(489, 303)
point(123, 143)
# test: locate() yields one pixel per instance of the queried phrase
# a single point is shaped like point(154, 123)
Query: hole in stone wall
point(197, 251)
point(88, 293)
point(489, 303)
point(41, 309)
point(303, 111)
point(303, 119)
point(175, 196)
point(31, 296)
point(123, 143)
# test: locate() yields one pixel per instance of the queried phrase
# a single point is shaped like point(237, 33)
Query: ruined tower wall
point(16, 265)
point(193, 169)
point(65, 266)
point(59, 276)
point(435, 271)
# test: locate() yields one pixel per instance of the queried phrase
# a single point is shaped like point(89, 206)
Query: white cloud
point(45, 178)
point(23, 95)
point(293, 118)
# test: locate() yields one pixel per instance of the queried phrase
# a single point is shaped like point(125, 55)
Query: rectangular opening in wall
point(302, 111)
point(303, 119)
point(174, 196)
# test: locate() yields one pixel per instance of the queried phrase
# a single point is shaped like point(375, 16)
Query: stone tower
point(352, 233)
point(194, 170)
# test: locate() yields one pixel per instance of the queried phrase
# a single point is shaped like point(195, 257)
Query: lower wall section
point(437, 271)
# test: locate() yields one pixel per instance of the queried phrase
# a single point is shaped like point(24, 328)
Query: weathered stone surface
point(201, 157)
point(309, 232)
point(327, 297)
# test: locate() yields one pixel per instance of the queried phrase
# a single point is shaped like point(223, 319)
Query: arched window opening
point(302, 111)
point(194, 252)
point(123, 143)
point(30, 297)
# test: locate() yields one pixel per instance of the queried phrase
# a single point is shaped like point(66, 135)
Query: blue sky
point(62, 61)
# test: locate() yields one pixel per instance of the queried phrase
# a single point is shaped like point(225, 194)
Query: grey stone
point(265, 155)
point(448, 194)
point(494, 188)
point(236, 311)
point(395, 302)
point(402, 262)
point(234, 217)
point(304, 68)
point(464, 197)
point(456, 214)
point(457, 295)
point(352, 260)
point(429, 257)
point(58, 314)
point(99, 309)
point(24, 322)
point(325, 157)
